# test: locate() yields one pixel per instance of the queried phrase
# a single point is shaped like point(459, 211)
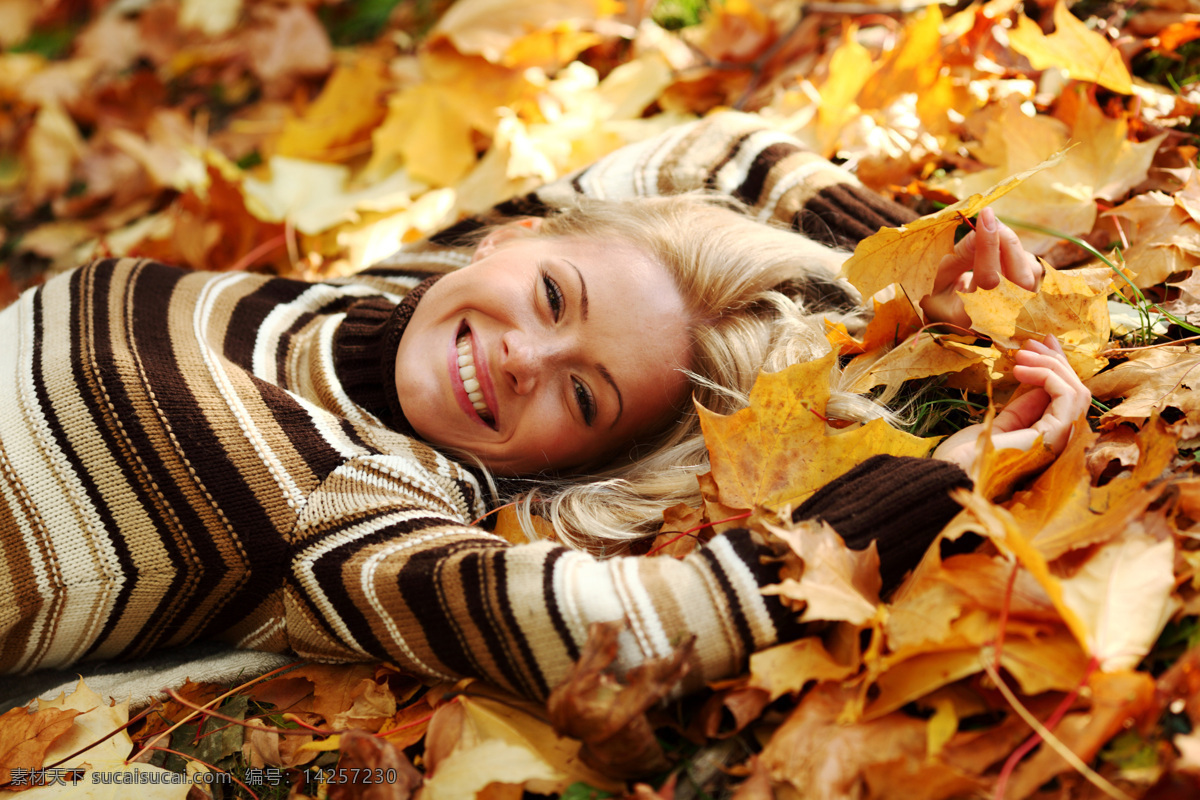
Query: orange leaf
point(25, 737)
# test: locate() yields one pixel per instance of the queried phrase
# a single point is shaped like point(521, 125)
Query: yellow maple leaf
point(776, 452)
point(910, 255)
point(1066, 306)
point(1084, 54)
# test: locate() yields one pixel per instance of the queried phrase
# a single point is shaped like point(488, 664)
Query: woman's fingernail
point(987, 220)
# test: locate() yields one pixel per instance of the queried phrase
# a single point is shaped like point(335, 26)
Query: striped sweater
point(191, 455)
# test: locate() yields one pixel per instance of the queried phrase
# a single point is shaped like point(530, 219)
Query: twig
point(1068, 755)
point(692, 530)
point(192, 715)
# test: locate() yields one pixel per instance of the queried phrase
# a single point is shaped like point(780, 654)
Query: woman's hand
point(1057, 398)
point(978, 261)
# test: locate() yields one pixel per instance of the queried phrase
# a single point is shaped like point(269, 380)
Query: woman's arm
point(396, 578)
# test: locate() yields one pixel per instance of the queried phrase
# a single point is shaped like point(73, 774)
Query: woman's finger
point(1020, 266)
point(987, 250)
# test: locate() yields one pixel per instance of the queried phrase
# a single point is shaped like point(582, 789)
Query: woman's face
point(545, 353)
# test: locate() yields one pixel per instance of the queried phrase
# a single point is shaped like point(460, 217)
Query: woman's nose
point(526, 360)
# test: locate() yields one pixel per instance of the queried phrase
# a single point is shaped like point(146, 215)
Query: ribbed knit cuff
point(900, 503)
point(364, 353)
point(844, 214)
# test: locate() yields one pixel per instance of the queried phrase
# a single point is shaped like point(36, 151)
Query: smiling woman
point(545, 354)
point(301, 467)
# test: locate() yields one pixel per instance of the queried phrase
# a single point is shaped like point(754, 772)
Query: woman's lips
point(481, 374)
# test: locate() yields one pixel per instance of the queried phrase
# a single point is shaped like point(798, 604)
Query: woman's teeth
point(466, 371)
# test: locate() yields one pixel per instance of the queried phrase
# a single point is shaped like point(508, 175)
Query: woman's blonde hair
point(754, 292)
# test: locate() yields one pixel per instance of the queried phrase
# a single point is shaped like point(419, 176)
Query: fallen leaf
point(1150, 381)
point(339, 123)
point(26, 735)
point(89, 747)
point(821, 758)
point(788, 668)
point(1164, 238)
point(1099, 161)
point(491, 28)
point(776, 452)
point(1084, 54)
point(476, 741)
point(835, 583)
point(609, 715)
point(361, 752)
point(1065, 305)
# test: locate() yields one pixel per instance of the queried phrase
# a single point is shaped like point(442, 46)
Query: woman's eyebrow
point(583, 301)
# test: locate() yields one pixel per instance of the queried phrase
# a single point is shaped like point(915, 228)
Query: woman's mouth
point(470, 378)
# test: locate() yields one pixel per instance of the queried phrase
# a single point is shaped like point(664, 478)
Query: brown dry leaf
point(680, 533)
point(788, 668)
point(609, 715)
point(776, 452)
point(284, 43)
point(89, 746)
point(1065, 306)
point(51, 150)
point(910, 255)
point(26, 735)
point(1084, 54)
point(739, 705)
point(1150, 381)
point(835, 583)
point(361, 751)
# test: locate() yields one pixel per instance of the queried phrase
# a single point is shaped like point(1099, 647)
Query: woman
point(191, 455)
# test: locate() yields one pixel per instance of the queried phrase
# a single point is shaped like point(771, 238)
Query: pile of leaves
point(1058, 658)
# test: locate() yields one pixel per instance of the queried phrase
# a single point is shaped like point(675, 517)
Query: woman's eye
point(554, 296)
point(587, 405)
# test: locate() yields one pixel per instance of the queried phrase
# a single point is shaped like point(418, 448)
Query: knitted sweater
point(193, 455)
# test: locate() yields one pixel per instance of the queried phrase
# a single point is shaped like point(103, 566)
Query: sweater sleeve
point(900, 503)
point(381, 569)
point(731, 153)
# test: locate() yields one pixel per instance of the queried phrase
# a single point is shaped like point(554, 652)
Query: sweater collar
point(364, 353)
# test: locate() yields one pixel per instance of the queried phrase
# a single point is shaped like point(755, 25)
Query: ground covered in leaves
point(1060, 659)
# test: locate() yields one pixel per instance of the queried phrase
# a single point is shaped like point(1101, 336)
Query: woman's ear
point(527, 226)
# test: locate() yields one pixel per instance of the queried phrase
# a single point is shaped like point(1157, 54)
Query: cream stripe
point(645, 624)
point(205, 306)
point(74, 532)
